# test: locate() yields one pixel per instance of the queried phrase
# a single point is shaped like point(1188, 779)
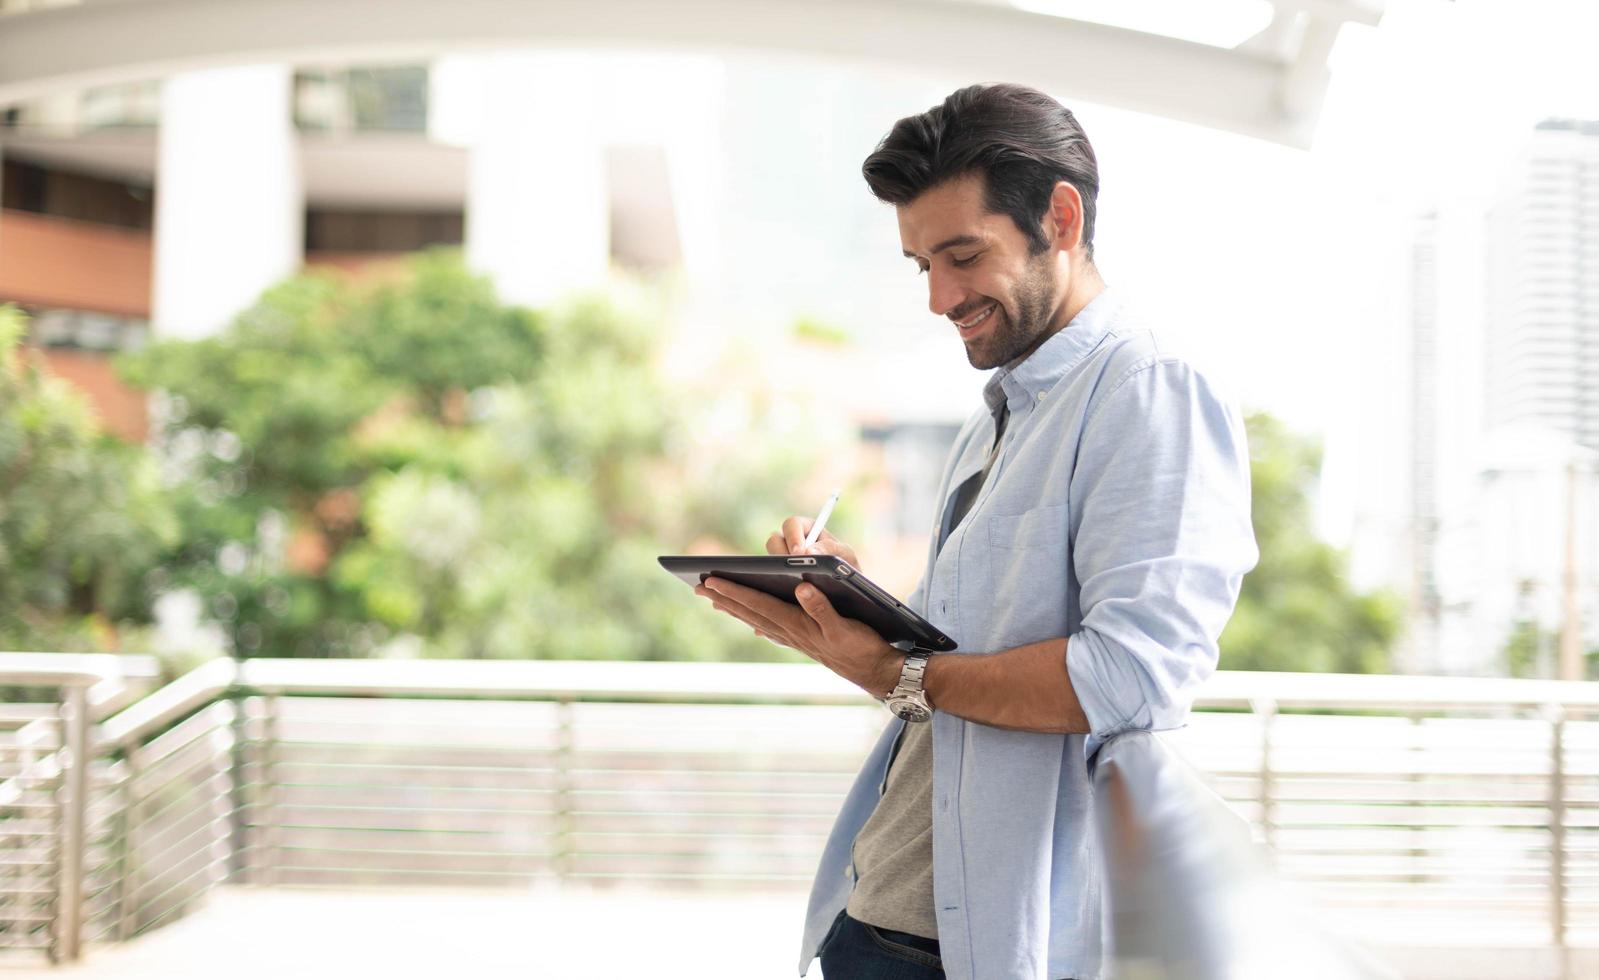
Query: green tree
point(1297, 610)
point(416, 468)
point(83, 521)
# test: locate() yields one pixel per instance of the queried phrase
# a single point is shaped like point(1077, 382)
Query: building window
point(30, 187)
point(369, 100)
point(349, 230)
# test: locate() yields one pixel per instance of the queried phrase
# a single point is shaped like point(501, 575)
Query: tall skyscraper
point(1542, 378)
point(1420, 651)
point(1543, 344)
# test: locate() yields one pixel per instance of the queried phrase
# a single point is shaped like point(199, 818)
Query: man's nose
point(943, 292)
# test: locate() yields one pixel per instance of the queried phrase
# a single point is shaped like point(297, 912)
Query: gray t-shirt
point(894, 850)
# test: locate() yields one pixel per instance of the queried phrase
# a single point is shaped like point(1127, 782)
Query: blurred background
point(398, 332)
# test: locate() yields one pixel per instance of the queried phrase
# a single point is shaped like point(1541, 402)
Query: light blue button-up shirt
point(1117, 516)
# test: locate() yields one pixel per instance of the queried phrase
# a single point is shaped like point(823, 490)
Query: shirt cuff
point(1109, 687)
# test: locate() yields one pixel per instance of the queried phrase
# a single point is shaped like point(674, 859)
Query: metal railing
point(50, 828)
point(1465, 807)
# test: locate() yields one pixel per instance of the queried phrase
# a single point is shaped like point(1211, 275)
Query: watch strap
point(911, 676)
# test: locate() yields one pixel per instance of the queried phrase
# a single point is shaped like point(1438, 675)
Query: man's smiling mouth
point(967, 326)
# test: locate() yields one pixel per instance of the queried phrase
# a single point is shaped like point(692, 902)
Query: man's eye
point(963, 263)
point(921, 270)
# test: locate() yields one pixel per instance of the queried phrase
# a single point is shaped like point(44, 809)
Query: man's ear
point(1064, 222)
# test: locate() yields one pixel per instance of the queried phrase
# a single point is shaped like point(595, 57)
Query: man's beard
point(1010, 337)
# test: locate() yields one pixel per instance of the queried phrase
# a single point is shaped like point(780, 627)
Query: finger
point(817, 607)
point(745, 606)
point(780, 641)
point(752, 620)
point(782, 613)
point(775, 545)
point(794, 531)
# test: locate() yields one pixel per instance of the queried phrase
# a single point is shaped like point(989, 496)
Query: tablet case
point(853, 595)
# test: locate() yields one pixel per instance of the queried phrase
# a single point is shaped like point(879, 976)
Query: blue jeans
point(854, 950)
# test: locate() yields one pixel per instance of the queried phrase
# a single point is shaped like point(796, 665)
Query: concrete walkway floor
point(573, 932)
point(576, 933)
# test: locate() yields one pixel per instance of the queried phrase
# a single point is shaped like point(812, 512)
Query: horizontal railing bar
point(26, 805)
point(105, 934)
point(195, 802)
point(345, 828)
point(692, 876)
point(411, 852)
point(8, 862)
point(420, 810)
point(289, 742)
point(545, 679)
point(463, 872)
point(805, 684)
point(70, 669)
point(579, 813)
point(178, 777)
point(156, 920)
point(208, 823)
point(25, 713)
point(205, 724)
point(192, 691)
point(296, 784)
point(296, 763)
point(140, 907)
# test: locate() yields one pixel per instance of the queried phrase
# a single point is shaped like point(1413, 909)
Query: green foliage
point(1297, 610)
point(819, 331)
point(414, 469)
point(82, 517)
point(1530, 651)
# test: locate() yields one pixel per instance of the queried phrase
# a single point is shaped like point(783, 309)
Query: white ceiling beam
point(1254, 92)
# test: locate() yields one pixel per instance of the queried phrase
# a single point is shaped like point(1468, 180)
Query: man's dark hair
point(1019, 139)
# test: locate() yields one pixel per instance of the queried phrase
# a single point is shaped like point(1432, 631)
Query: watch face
point(910, 710)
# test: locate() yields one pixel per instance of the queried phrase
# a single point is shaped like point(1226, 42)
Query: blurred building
point(1544, 348)
point(1503, 310)
point(1542, 407)
point(1422, 648)
point(163, 208)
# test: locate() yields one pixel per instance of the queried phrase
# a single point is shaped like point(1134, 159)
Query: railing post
point(268, 790)
point(1266, 710)
point(563, 788)
point(238, 779)
point(130, 872)
point(75, 786)
point(1417, 852)
point(1557, 834)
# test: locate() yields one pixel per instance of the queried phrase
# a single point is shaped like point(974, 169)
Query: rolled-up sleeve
point(1161, 540)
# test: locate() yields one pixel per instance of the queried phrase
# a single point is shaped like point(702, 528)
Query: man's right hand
point(788, 541)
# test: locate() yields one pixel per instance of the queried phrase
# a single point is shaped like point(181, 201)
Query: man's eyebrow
point(956, 242)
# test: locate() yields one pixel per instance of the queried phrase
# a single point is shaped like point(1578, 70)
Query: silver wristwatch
point(908, 700)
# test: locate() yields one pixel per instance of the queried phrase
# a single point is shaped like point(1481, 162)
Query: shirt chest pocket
point(1028, 559)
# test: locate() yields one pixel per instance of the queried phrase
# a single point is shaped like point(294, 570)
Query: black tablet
point(853, 594)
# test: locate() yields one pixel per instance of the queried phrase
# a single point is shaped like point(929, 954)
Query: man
point(1093, 536)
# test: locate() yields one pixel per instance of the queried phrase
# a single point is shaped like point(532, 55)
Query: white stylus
point(821, 520)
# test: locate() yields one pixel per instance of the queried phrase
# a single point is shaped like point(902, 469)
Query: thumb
point(816, 606)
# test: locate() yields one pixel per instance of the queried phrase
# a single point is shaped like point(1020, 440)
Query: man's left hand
point(847, 647)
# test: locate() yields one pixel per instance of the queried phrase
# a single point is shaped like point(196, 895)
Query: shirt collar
point(1022, 382)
